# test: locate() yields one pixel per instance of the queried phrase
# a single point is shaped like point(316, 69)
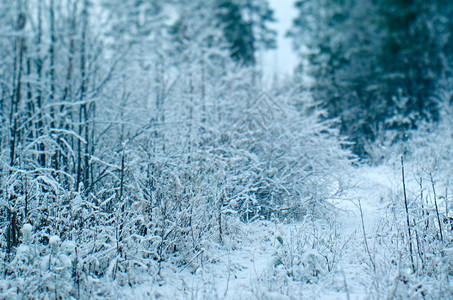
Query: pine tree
point(366, 57)
point(236, 31)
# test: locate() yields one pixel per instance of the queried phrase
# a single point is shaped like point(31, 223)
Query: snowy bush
point(307, 251)
point(138, 146)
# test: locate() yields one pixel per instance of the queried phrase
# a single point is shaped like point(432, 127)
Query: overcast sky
point(283, 60)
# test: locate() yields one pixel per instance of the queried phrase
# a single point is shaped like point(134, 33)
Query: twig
point(348, 295)
point(419, 251)
point(365, 238)
point(407, 215)
point(446, 198)
point(437, 208)
point(425, 213)
point(228, 278)
point(188, 264)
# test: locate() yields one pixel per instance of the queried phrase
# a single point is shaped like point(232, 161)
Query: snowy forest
point(144, 154)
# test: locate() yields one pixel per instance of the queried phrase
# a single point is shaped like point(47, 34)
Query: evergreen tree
point(258, 15)
point(336, 44)
point(374, 64)
point(245, 26)
point(236, 31)
point(411, 53)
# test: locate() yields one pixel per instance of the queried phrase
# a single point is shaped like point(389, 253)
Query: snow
point(27, 231)
point(245, 268)
point(313, 258)
point(192, 181)
point(372, 186)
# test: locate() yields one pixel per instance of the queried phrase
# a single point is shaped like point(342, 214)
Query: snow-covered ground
point(359, 250)
point(250, 267)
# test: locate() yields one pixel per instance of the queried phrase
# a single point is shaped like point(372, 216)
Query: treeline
point(376, 65)
point(132, 131)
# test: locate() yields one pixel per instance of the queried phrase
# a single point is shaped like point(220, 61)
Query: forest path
point(251, 265)
point(374, 188)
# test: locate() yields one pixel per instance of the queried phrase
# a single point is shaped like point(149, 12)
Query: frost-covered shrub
point(31, 272)
point(289, 161)
point(307, 251)
point(56, 270)
point(148, 158)
point(311, 266)
point(25, 254)
point(407, 265)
